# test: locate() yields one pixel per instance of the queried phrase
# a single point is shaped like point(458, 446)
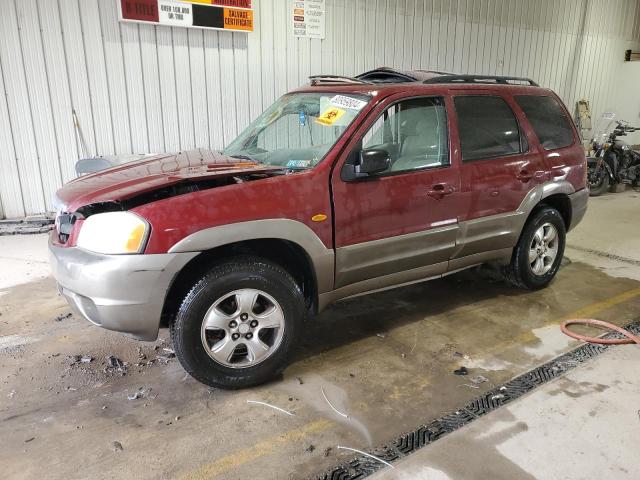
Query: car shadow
point(357, 318)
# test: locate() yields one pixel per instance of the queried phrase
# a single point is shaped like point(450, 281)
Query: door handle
point(524, 176)
point(440, 190)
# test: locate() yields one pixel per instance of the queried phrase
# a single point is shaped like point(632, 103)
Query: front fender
point(321, 257)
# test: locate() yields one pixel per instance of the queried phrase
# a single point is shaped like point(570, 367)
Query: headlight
point(113, 233)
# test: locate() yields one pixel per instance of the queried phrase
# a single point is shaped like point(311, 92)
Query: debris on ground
point(166, 355)
point(498, 396)
point(141, 354)
point(76, 359)
point(255, 402)
point(469, 385)
point(479, 379)
point(117, 446)
point(332, 407)
point(115, 365)
point(62, 317)
point(380, 335)
point(26, 226)
point(29, 439)
point(114, 362)
point(310, 448)
point(299, 380)
point(461, 371)
point(461, 355)
point(140, 393)
point(366, 455)
point(327, 451)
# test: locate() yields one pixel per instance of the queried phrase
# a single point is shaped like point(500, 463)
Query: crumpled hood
point(132, 179)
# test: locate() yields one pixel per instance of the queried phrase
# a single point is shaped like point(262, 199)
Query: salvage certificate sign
point(236, 15)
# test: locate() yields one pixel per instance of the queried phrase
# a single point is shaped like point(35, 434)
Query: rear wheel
point(235, 328)
point(598, 180)
point(537, 256)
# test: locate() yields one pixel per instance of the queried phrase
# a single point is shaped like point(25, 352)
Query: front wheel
point(537, 256)
point(598, 179)
point(236, 326)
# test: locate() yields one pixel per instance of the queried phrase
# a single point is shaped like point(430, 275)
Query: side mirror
point(373, 161)
point(366, 164)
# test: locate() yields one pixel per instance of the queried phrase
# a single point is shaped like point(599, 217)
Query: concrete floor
point(386, 360)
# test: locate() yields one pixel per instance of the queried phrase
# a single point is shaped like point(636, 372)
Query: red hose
point(631, 338)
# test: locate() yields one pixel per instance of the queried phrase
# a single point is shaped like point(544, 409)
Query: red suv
point(344, 187)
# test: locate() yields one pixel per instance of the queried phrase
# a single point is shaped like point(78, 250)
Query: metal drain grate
point(405, 444)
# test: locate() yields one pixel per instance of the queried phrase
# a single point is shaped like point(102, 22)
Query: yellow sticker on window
point(330, 115)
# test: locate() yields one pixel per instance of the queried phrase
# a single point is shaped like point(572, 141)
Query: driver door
point(399, 225)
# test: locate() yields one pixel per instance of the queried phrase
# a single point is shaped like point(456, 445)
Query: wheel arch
point(290, 244)
point(552, 194)
point(561, 203)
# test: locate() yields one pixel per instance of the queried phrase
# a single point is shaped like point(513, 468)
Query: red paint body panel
point(132, 179)
point(491, 186)
point(395, 204)
point(298, 196)
point(364, 211)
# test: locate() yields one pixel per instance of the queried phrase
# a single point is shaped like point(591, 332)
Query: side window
point(547, 119)
point(413, 132)
point(487, 127)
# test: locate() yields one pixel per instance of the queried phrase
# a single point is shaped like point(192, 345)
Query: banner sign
point(308, 18)
point(236, 15)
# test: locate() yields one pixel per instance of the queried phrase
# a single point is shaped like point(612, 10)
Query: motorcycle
point(613, 161)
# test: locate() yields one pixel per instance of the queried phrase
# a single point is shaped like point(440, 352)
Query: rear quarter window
point(548, 119)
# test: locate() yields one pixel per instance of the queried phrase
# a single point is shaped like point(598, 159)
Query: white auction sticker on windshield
point(347, 102)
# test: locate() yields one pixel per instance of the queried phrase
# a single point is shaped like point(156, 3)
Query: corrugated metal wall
point(141, 88)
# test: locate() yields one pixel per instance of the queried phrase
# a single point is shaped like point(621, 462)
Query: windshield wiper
point(245, 157)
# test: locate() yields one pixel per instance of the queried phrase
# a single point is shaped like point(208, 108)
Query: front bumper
point(124, 293)
point(579, 202)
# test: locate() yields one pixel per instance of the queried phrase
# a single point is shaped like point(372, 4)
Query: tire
point(521, 272)
point(219, 293)
point(600, 185)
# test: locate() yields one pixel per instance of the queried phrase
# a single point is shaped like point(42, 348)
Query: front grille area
point(64, 226)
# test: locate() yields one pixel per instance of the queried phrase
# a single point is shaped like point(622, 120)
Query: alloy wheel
point(243, 328)
point(543, 249)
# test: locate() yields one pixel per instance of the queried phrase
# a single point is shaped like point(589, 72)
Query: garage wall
point(625, 101)
point(143, 88)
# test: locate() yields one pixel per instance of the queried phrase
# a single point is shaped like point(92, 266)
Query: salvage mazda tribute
point(344, 187)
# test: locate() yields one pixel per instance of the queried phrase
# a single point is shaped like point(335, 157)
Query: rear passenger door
point(498, 168)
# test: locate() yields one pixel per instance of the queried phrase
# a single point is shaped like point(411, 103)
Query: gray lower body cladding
point(125, 293)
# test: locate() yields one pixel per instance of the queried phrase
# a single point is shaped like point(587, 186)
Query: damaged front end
point(125, 187)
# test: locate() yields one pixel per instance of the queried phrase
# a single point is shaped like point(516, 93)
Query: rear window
point(487, 127)
point(548, 120)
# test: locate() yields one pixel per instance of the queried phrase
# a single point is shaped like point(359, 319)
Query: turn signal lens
point(136, 238)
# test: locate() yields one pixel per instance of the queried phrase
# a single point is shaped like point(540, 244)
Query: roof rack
point(451, 78)
point(334, 79)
